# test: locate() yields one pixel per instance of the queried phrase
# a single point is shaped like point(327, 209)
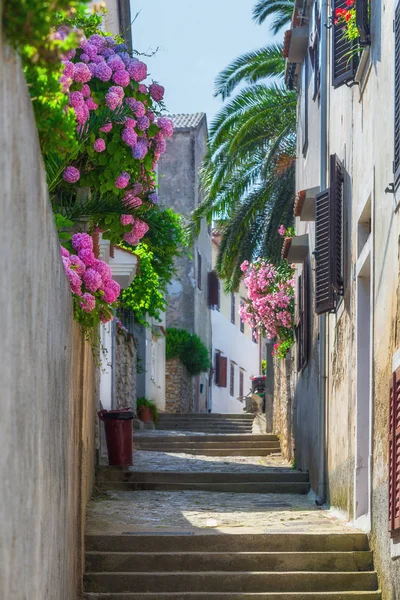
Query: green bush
point(190, 350)
point(142, 401)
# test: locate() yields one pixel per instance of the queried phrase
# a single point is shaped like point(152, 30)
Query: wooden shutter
point(241, 383)
point(363, 21)
point(233, 308)
point(394, 453)
point(301, 330)
point(213, 292)
point(221, 370)
point(396, 164)
point(199, 270)
point(232, 380)
point(344, 63)
point(328, 241)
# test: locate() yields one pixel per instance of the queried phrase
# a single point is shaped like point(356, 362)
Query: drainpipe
point(321, 499)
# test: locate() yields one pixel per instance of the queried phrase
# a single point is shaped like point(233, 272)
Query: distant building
point(235, 350)
point(179, 189)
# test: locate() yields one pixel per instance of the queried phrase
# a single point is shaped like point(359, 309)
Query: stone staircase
point(206, 422)
point(288, 566)
point(210, 445)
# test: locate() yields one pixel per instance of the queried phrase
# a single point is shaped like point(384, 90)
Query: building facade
point(235, 349)
point(339, 387)
point(179, 189)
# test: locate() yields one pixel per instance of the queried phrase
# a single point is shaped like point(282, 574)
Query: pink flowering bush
point(93, 289)
point(269, 307)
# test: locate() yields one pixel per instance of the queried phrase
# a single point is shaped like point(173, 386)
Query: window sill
point(363, 70)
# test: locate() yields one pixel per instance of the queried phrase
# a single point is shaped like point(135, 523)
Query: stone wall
point(178, 388)
point(49, 385)
point(126, 354)
point(283, 406)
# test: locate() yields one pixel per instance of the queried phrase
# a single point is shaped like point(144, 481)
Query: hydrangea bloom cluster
point(92, 286)
point(99, 74)
point(269, 307)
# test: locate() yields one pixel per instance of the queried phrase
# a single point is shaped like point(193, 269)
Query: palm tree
point(282, 11)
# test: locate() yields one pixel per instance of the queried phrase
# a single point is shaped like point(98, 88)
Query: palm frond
point(281, 10)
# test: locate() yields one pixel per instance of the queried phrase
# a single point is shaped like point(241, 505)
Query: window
point(363, 17)
point(213, 290)
point(221, 368)
point(198, 270)
point(233, 308)
point(344, 61)
point(301, 329)
point(329, 241)
point(232, 380)
point(396, 164)
point(394, 452)
point(314, 50)
point(241, 321)
point(241, 383)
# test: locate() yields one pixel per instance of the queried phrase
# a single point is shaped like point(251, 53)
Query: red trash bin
point(119, 434)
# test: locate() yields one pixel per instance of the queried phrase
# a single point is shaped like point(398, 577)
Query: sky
point(195, 41)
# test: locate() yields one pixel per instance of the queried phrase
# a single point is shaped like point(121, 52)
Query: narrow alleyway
point(156, 532)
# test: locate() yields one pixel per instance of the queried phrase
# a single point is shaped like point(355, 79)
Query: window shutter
point(232, 380)
point(213, 294)
point(363, 21)
point(199, 270)
point(343, 62)
point(305, 320)
point(397, 97)
point(241, 383)
point(221, 370)
point(233, 308)
point(328, 241)
point(394, 453)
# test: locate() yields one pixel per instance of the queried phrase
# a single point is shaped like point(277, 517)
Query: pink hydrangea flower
point(75, 281)
point(122, 180)
point(130, 137)
point(117, 89)
point(140, 228)
point(71, 174)
point(143, 88)
point(130, 123)
point(127, 220)
point(140, 149)
point(282, 230)
point(85, 91)
point(150, 115)
point(156, 92)
point(77, 264)
point(66, 83)
point(99, 145)
point(82, 73)
point(91, 104)
point(103, 269)
point(111, 291)
point(143, 123)
point(102, 71)
point(99, 41)
point(244, 266)
point(69, 69)
point(64, 251)
point(87, 302)
point(121, 78)
point(84, 58)
point(137, 188)
point(137, 70)
point(106, 128)
point(116, 63)
point(130, 238)
point(92, 280)
point(161, 147)
point(136, 107)
point(82, 114)
point(82, 241)
point(76, 99)
point(70, 54)
point(89, 49)
point(87, 257)
point(112, 100)
point(166, 126)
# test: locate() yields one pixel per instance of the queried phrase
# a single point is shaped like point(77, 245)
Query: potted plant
point(147, 410)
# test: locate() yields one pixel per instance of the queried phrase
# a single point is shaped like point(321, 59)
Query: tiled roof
point(187, 121)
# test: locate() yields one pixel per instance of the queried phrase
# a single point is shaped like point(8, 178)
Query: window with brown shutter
point(241, 383)
point(199, 273)
point(232, 380)
point(301, 329)
point(363, 8)
point(396, 163)
point(344, 62)
point(394, 454)
point(221, 370)
point(329, 241)
point(213, 289)
point(233, 308)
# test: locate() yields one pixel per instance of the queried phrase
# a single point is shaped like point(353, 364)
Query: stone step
point(142, 443)
point(231, 581)
point(231, 437)
point(238, 488)
point(228, 561)
point(270, 475)
point(375, 595)
point(219, 427)
point(208, 416)
point(224, 451)
point(269, 542)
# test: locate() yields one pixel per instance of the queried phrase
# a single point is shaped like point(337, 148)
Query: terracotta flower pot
point(145, 414)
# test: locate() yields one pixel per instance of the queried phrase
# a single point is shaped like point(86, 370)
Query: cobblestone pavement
point(164, 461)
point(197, 512)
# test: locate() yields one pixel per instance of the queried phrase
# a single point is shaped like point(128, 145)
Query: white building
point(235, 351)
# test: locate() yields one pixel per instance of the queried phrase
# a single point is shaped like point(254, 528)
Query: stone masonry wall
point(49, 388)
point(283, 406)
point(178, 388)
point(126, 355)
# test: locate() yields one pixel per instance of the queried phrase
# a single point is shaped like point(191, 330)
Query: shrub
point(189, 348)
point(142, 402)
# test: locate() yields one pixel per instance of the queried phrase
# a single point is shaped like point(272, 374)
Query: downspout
point(321, 499)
